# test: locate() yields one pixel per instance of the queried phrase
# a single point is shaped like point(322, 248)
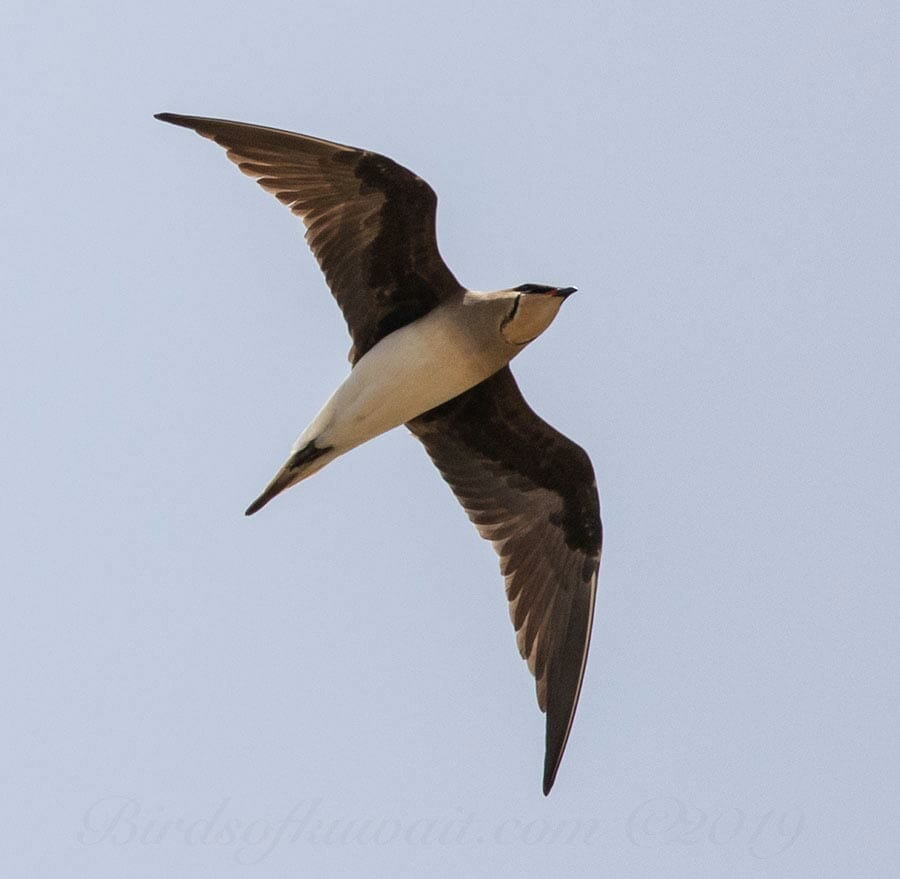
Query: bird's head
point(532, 309)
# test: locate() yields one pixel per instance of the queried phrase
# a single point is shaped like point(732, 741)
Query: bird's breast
point(407, 373)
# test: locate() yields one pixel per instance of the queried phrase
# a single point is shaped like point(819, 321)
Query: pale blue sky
point(719, 180)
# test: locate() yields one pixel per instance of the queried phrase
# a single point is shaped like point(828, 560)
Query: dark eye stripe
point(533, 288)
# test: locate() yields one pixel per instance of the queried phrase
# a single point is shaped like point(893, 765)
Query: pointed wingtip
point(257, 505)
point(549, 777)
point(175, 119)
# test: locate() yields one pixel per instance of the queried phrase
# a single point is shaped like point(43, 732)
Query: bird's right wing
point(531, 492)
point(370, 222)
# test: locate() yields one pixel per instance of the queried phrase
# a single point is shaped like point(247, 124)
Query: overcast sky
point(332, 687)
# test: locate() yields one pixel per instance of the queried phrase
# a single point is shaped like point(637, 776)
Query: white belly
point(407, 373)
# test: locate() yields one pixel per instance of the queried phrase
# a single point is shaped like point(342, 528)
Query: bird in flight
point(432, 355)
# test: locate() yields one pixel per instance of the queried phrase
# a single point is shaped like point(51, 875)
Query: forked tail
point(301, 464)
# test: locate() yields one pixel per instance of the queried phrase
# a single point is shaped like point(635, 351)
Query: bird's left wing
point(531, 492)
point(370, 222)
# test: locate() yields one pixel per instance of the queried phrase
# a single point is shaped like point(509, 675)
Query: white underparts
point(407, 373)
point(418, 367)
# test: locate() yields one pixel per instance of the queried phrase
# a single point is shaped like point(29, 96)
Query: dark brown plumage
point(531, 492)
point(370, 222)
